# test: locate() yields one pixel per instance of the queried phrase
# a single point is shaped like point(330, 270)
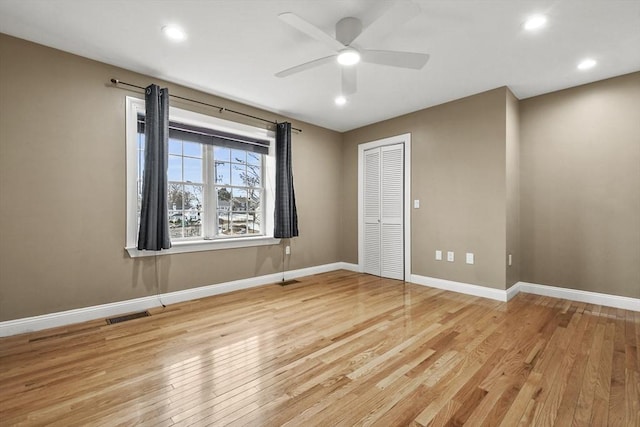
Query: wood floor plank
point(616, 413)
point(571, 395)
point(632, 394)
point(600, 410)
point(547, 413)
point(584, 405)
point(339, 349)
point(523, 402)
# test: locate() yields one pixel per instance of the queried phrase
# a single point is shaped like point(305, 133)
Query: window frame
point(134, 106)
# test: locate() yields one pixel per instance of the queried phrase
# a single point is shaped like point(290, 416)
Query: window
point(220, 181)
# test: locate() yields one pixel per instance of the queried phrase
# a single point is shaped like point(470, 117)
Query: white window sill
point(206, 245)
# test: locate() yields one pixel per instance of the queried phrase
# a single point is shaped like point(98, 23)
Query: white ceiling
point(234, 47)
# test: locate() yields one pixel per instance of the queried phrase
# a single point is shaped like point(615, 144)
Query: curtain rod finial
point(115, 81)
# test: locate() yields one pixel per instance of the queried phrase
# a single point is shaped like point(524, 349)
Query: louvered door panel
point(372, 248)
point(392, 183)
point(372, 185)
point(392, 212)
point(392, 254)
point(372, 212)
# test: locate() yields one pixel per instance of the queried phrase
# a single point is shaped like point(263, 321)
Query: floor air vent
point(289, 282)
point(126, 317)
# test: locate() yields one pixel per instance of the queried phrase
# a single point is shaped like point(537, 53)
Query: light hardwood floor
point(337, 349)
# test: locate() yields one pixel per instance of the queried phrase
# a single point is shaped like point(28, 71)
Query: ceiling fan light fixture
point(535, 22)
point(340, 100)
point(348, 57)
point(174, 33)
point(586, 64)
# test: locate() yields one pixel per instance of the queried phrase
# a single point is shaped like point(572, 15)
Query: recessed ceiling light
point(348, 57)
point(585, 64)
point(174, 33)
point(340, 100)
point(535, 22)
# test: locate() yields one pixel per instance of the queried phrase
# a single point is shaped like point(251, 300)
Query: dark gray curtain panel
point(286, 215)
point(154, 222)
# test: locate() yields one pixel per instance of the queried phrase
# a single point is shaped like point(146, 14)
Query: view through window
point(213, 191)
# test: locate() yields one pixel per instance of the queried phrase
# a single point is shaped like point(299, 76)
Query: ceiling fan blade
point(400, 13)
point(305, 66)
point(349, 81)
point(412, 60)
point(311, 30)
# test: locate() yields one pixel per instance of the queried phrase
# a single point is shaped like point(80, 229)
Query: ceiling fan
point(346, 44)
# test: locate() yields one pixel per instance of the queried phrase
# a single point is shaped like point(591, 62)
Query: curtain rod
point(221, 109)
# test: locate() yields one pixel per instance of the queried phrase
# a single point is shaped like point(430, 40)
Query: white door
point(383, 211)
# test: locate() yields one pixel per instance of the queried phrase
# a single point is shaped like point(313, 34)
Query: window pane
point(192, 149)
point(175, 197)
point(253, 196)
point(224, 223)
point(239, 223)
point(254, 159)
point(192, 170)
point(239, 200)
point(253, 223)
point(192, 197)
point(224, 211)
point(224, 199)
point(254, 215)
point(175, 168)
point(140, 165)
point(238, 175)
point(139, 191)
point(254, 176)
point(175, 227)
point(192, 211)
point(175, 218)
point(222, 173)
point(175, 147)
point(239, 156)
point(222, 154)
point(140, 155)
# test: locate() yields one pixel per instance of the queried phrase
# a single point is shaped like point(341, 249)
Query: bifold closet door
point(384, 211)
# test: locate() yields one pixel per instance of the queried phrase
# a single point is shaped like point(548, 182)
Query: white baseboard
point(463, 288)
point(512, 291)
point(627, 303)
point(63, 318)
point(348, 266)
point(607, 300)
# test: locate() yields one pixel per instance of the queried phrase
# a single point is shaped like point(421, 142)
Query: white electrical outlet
point(470, 258)
point(416, 204)
point(510, 260)
point(287, 250)
point(450, 257)
point(438, 255)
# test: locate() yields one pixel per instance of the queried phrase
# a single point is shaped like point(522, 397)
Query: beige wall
point(62, 191)
point(580, 187)
point(458, 173)
point(512, 156)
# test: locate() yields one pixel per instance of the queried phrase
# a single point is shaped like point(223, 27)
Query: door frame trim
point(398, 139)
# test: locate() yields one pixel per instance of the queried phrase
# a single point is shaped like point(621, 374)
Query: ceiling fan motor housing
point(347, 29)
